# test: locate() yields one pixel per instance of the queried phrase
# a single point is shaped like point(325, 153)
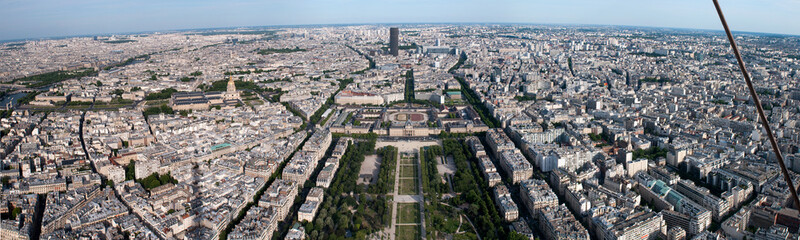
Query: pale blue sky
point(49, 18)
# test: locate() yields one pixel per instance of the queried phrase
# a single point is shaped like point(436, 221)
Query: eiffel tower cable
point(760, 109)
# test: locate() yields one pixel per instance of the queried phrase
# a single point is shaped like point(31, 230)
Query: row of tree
point(358, 215)
point(440, 220)
point(463, 180)
point(347, 210)
point(158, 109)
point(476, 103)
point(350, 166)
point(222, 85)
point(409, 91)
point(317, 116)
point(44, 79)
point(27, 98)
point(474, 195)
point(280, 50)
point(163, 94)
point(388, 156)
point(431, 183)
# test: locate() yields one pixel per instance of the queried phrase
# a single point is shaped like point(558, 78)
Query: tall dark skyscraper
point(394, 38)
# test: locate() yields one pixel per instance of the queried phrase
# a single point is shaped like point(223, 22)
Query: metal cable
point(761, 115)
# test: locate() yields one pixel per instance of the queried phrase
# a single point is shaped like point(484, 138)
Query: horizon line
point(374, 24)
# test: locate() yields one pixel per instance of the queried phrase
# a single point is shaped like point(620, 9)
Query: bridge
point(17, 88)
point(24, 90)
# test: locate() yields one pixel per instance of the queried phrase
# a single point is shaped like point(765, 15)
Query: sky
point(21, 19)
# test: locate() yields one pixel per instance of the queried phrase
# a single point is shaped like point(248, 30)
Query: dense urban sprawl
point(418, 132)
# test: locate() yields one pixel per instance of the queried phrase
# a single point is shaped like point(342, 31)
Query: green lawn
point(465, 236)
point(407, 213)
point(33, 107)
point(111, 105)
point(408, 187)
point(254, 103)
point(157, 102)
point(409, 232)
point(408, 171)
point(79, 107)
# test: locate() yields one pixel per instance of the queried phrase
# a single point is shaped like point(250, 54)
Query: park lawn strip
point(407, 213)
point(408, 186)
point(408, 171)
point(408, 232)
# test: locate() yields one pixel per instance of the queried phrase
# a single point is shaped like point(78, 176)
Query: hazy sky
point(48, 18)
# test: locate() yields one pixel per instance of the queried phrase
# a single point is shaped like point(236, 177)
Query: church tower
point(231, 94)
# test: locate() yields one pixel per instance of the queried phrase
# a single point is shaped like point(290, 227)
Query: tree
point(569, 62)
point(5, 180)
point(157, 110)
point(150, 182)
point(163, 94)
point(650, 153)
point(44, 79)
point(16, 212)
point(130, 171)
point(329, 222)
point(472, 196)
point(154, 180)
point(166, 109)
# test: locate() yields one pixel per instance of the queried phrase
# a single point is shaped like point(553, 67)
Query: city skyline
point(399, 120)
point(461, 131)
point(24, 20)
